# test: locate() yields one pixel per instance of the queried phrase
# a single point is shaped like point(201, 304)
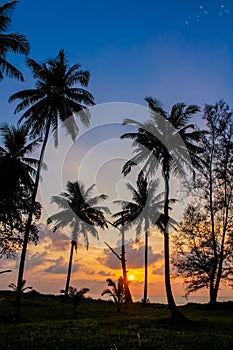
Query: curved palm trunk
point(128, 297)
point(73, 245)
point(146, 270)
point(176, 315)
point(27, 229)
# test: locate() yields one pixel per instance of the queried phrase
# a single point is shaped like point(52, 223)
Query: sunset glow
point(131, 278)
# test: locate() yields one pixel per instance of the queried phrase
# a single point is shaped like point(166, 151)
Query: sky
point(176, 51)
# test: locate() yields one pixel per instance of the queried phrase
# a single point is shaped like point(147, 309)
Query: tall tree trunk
point(176, 314)
point(213, 295)
point(215, 262)
point(73, 245)
point(220, 265)
point(146, 270)
point(17, 315)
point(128, 297)
point(225, 222)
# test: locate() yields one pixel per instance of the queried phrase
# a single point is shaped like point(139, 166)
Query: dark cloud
point(60, 267)
point(110, 260)
point(105, 274)
point(57, 241)
point(35, 260)
point(134, 256)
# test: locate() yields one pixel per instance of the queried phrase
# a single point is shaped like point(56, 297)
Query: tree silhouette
point(169, 141)
point(81, 213)
point(117, 291)
point(23, 289)
point(16, 186)
point(122, 258)
point(144, 212)
point(10, 42)
point(75, 296)
point(203, 243)
point(54, 98)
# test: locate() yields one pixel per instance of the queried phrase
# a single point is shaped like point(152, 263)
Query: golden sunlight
point(131, 278)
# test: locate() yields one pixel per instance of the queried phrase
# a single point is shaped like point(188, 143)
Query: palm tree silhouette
point(17, 167)
point(75, 296)
point(169, 141)
point(144, 212)
point(24, 288)
point(10, 42)
point(117, 291)
point(81, 213)
point(16, 179)
point(54, 98)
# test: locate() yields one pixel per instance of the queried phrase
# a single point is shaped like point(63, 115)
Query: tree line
point(167, 142)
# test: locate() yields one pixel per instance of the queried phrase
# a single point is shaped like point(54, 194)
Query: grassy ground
point(48, 324)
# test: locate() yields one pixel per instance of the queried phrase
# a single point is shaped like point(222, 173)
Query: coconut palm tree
point(81, 213)
point(16, 183)
point(117, 291)
point(54, 98)
point(17, 167)
point(169, 140)
point(144, 212)
point(10, 42)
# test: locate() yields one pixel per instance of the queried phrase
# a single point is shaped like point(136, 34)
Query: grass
point(48, 324)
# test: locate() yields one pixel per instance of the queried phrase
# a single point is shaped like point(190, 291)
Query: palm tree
point(10, 42)
point(23, 289)
point(17, 168)
point(76, 297)
point(117, 291)
point(143, 212)
point(16, 183)
point(81, 213)
point(54, 98)
point(169, 141)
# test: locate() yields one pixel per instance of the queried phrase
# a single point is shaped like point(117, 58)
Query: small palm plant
point(75, 296)
point(117, 291)
point(23, 288)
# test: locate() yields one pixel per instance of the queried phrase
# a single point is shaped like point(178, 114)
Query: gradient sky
point(172, 50)
point(176, 51)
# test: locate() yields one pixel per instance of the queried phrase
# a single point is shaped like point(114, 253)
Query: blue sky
point(172, 50)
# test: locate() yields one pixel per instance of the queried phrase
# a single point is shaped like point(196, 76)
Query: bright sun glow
point(131, 278)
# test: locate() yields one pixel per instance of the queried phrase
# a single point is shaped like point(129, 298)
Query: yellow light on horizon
point(131, 277)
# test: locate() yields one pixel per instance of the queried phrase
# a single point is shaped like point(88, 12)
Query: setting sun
point(131, 278)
